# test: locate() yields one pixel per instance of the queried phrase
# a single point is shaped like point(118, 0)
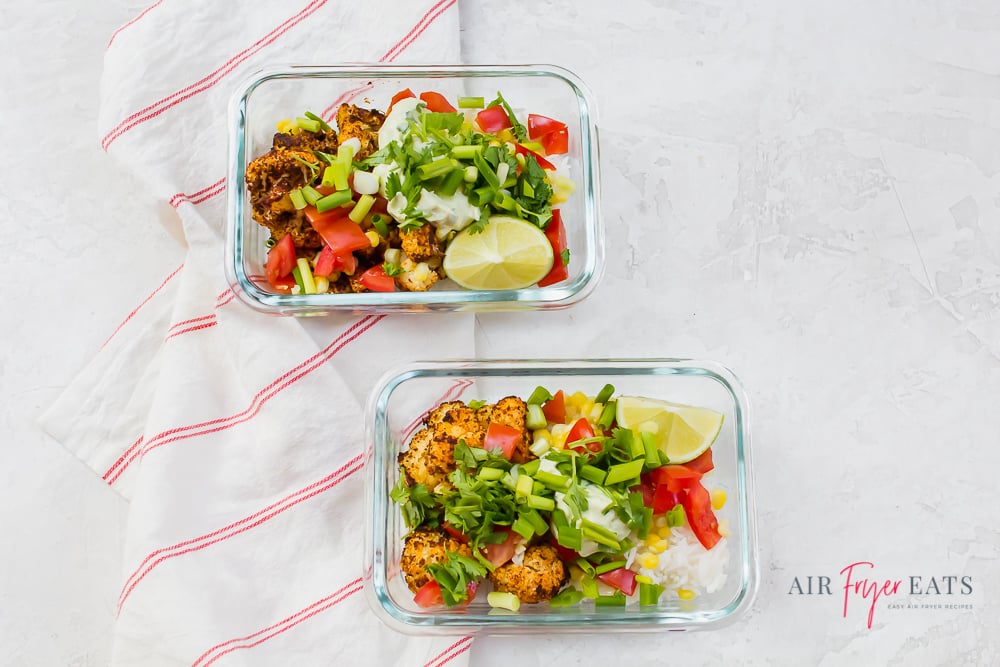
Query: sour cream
point(597, 502)
point(395, 124)
point(452, 213)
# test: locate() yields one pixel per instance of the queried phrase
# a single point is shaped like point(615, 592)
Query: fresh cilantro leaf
point(476, 404)
point(519, 130)
point(391, 269)
point(454, 575)
point(565, 256)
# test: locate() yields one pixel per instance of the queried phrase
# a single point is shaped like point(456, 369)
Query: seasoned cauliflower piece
point(420, 244)
point(428, 460)
point(459, 423)
point(425, 546)
point(537, 579)
point(361, 124)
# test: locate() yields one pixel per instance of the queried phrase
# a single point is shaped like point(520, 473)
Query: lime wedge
point(509, 254)
point(682, 432)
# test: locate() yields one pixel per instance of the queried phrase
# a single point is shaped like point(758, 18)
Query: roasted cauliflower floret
point(416, 277)
point(537, 579)
point(425, 546)
point(459, 423)
point(269, 179)
point(325, 141)
point(429, 459)
point(436, 416)
point(361, 124)
point(420, 244)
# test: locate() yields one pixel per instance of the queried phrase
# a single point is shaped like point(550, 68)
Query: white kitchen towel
point(236, 437)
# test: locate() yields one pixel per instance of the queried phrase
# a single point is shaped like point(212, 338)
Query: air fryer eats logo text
point(860, 587)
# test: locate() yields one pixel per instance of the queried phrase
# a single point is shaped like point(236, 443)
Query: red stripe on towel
point(141, 14)
point(144, 302)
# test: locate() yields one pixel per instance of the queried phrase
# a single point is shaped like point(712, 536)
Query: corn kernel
point(724, 528)
point(718, 499)
point(505, 135)
point(285, 125)
point(660, 521)
point(542, 433)
point(649, 561)
point(685, 594)
point(652, 540)
point(373, 237)
point(663, 531)
point(659, 548)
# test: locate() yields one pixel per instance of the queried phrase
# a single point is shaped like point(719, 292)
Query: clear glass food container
point(286, 92)
point(396, 410)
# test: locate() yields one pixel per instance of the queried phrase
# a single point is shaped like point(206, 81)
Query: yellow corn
point(649, 561)
point(718, 499)
point(373, 237)
point(660, 521)
point(542, 433)
point(562, 188)
point(685, 594)
point(505, 135)
point(663, 531)
point(652, 540)
point(724, 528)
point(285, 125)
point(322, 285)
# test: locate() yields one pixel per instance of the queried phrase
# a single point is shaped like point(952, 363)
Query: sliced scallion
point(606, 392)
point(378, 222)
point(322, 123)
point(338, 198)
point(649, 593)
point(311, 194)
point(623, 471)
point(471, 102)
point(607, 567)
point(449, 184)
point(360, 210)
point(615, 600)
point(607, 417)
point(592, 474)
point(535, 419)
point(490, 474)
point(539, 396)
point(499, 600)
point(531, 467)
point(541, 503)
point(298, 199)
point(307, 124)
point(466, 152)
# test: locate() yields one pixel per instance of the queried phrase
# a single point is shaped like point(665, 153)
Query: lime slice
point(508, 254)
point(683, 432)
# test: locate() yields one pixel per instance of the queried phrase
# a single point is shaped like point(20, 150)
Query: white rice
point(686, 564)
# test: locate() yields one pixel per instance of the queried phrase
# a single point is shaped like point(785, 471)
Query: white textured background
point(807, 192)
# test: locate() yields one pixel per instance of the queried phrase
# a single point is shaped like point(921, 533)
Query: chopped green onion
point(637, 447)
point(600, 534)
point(570, 537)
point(311, 194)
point(533, 146)
point(270, 242)
point(523, 489)
point(298, 199)
point(536, 520)
point(649, 593)
point(559, 519)
point(523, 527)
point(589, 588)
point(504, 201)
point(623, 471)
point(615, 600)
point(607, 567)
point(530, 468)
point(481, 196)
point(322, 123)
point(507, 601)
point(539, 396)
point(554, 481)
point(345, 153)
point(378, 222)
point(592, 474)
point(336, 176)
point(471, 102)
point(649, 445)
point(675, 516)
point(662, 455)
point(471, 174)
point(308, 283)
point(466, 152)
point(338, 198)
point(643, 579)
point(435, 168)
point(541, 503)
point(361, 209)
point(298, 279)
point(526, 189)
point(449, 185)
point(607, 417)
point(586, 566)
point(307, 124)
point(606, 392)
point(490, 474)
point(535, 418)
point(566, 598)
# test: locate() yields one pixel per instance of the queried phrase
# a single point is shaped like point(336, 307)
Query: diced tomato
point(314, 216)
point(498, 554)
point(646, 488)
point(539, 126)
point(556, 143)
point(555, 408)
point(493, 119)
point(470, 592)
point(675, 477)
point(324, 263)
point(280, 260)
point(437, 102)
point(664, 499)
point(375, 280)
point(342, 234)
point(581, 430)
point(381, 205)
point(284, 285)
point(623, 579)
point(502, 437)
point(429, 595)
point(401, 95)
point(542, 162)
point(455, 532)
point(555, 231)
point(565, 553)
point(703, 463)
point(698, 509)
point(347, 263)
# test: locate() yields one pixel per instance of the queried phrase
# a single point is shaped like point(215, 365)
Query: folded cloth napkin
point(238, 437)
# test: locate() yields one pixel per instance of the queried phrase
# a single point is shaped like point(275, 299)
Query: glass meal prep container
point(286, 92)
point(401, 401)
